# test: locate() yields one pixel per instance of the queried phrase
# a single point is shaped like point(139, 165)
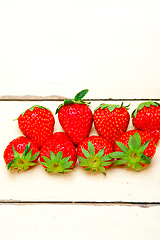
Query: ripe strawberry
point(37, 123)
point(76, 118)
point(111, 121)
point(58, 154)
point(135, 149)
point(21, 154)
point(93, 154)
point(146, 117)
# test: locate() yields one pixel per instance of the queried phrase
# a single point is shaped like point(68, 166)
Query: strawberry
point(135, 149)
point(93, 154)
point(37, 124)
point(58, 154)
point(146, 117)
point(111, 120)
point(21, 154)
point(75, 117)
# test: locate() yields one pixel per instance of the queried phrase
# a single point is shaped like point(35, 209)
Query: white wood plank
point(107, 89)
point(78, 44)
point(37, 185)
point(79, 222)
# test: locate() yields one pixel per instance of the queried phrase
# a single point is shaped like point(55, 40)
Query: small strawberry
point(37, 124)
point(58, 154)
point(146, 117)
point(135, 149)
point(76, 118)
point(21, 154)
point(111, 121)
point(93, 154)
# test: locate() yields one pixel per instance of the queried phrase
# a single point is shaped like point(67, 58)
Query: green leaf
point(65, 160)
point(138, 167)
point(103, 106)
point(10, 164)
point(68, 164)
point(117, 154)
point(68, 101)
point(144, 146)
point(52, 156)
point(120, 162)
point(28, 156)
point(147, 104)
point(106, 163)
point(59, 156)
point(83, 161)
point(91, 148)
point(154, 103)
point(102, 169)
point(16, 154)
point(80, 95)
point(141, 106)
point(86, 153)
point(122, 147)
point(145, 159)
point(130, 143)
point(59, 107)
point(106, 158)
point(35, 156)
point(97, 107)
point(26, 149)
point(100, 153)
point(47, 160)
point(136, 141)
point(111, 108)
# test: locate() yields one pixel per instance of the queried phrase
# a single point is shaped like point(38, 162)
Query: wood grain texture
point(79, 222)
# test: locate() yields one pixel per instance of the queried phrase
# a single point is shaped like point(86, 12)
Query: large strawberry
point(146, 117)
point(111, 121)
point(135, 149)
point(58, 154)
point(76, 118)
point(93, 154)
point(21, 154)
point(37, 123)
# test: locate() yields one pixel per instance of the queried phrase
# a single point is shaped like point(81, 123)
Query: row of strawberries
point(58, 151)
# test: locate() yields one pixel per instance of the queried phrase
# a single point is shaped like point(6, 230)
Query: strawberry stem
point(132, 156)
point(56, 163)
point(77, 99)
point(142, 105)
point(94, 162)
point(22, 161)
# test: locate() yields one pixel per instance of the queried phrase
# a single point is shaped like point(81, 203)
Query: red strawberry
point(21, 154)
point(135, 149)
point(37, 123)
point(111, 121)
point(146, 117)
point(93, 154)
point(58, 154)
point(75, 118)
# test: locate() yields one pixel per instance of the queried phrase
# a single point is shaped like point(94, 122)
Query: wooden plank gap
point(59, 98)
point(117, 203)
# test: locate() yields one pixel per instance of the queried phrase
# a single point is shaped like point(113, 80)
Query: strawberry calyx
point(142, 105)
point(132, 156)
point(31, 109)
point(56, 163)
point(77, 99)
point(94, 162)
point(22, 161)
point(111, 107)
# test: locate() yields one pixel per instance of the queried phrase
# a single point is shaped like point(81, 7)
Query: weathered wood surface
point(50, 50)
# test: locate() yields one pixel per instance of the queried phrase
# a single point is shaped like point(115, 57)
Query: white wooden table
point(51, 50)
